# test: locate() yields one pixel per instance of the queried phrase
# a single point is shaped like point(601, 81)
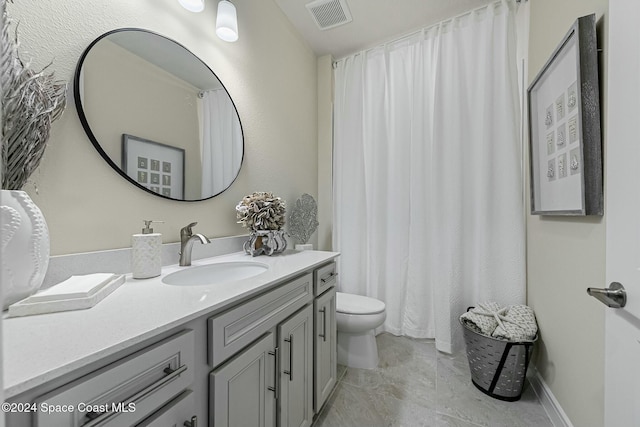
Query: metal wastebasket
point(498, 367)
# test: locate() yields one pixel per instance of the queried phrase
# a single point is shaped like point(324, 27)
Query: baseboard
point(548, 401)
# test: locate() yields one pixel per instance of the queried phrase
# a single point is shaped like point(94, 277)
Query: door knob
point(614, 296)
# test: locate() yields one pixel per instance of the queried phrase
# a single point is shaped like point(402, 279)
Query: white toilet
point(356, 317)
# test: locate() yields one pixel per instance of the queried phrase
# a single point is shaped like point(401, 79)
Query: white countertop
point(40, 348)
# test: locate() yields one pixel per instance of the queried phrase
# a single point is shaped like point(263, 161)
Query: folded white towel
point(518, 324)
point(74, 287)
point(483, 318)
point(75, 293)
point(513, 323)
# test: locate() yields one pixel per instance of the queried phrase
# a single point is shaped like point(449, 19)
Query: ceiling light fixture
point(192, 5)
point(227, 21)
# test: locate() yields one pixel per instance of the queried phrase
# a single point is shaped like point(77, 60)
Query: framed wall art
point(154, 166)
point(564, 128)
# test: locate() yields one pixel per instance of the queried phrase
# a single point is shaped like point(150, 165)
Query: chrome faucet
point(187, 239)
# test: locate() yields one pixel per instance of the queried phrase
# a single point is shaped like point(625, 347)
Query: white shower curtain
point(428, 212)
point(221, 141)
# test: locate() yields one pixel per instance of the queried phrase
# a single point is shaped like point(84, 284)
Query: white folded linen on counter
point(483, 318)
point(512, 323)
point(75, 293)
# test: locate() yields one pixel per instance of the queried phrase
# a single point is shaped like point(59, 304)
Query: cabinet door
point(325, 340)
point(242, 391)
point(295, 341)
point(174, 414)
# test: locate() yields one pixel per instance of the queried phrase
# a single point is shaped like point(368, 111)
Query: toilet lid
point(357, 304)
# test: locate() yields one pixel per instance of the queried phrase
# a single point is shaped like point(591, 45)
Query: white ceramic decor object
point(25, 246)
point(146, 259)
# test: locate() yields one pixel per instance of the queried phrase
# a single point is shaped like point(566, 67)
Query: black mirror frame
point(94, 140)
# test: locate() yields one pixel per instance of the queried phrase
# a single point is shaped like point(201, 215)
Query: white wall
point(270, 74)
point(566, 255)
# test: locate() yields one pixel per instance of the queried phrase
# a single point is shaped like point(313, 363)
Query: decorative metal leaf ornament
point(302, 221)
point(31, 101)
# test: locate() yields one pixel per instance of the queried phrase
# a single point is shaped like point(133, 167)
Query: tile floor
point(414, 385)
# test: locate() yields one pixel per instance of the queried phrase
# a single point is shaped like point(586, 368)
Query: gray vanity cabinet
point(325, 350)
point(325, 334)
point(133, 391)
point(263, 358)
point(295, 341)
point(262, 354)
point(242, 391)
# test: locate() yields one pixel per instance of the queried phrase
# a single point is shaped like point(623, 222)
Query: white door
point(622, 210)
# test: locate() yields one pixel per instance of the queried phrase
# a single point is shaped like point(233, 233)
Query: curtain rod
point(413, 33)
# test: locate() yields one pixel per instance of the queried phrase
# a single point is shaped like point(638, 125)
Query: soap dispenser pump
point(146, 258)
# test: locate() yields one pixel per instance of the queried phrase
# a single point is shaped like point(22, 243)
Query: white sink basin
point(215, 273)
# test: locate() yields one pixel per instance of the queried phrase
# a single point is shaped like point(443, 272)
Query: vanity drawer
point(174, 413)
point(124, 392)
point(324, 278)
point(234, 329)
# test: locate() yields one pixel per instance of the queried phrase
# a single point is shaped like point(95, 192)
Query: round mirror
point(158, 115)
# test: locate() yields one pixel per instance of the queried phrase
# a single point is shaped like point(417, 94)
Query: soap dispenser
point(146, 258)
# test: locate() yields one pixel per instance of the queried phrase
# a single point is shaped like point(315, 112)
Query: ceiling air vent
point(329, 13)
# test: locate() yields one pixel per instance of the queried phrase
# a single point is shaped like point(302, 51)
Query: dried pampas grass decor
point(31, 101)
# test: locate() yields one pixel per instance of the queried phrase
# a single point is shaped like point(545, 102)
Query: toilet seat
point(357, 304)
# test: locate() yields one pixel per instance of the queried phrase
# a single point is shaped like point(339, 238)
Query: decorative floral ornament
point(261, 211)
point(302, 221)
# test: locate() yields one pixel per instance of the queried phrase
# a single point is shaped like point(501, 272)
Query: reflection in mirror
point(158, 115)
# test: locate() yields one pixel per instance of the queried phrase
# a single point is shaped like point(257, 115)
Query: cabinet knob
point(192, 423)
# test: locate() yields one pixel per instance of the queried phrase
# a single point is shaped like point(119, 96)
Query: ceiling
point(374, 22)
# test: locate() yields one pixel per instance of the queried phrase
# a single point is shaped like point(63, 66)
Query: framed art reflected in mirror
point(157, 167)
point(564, 128)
